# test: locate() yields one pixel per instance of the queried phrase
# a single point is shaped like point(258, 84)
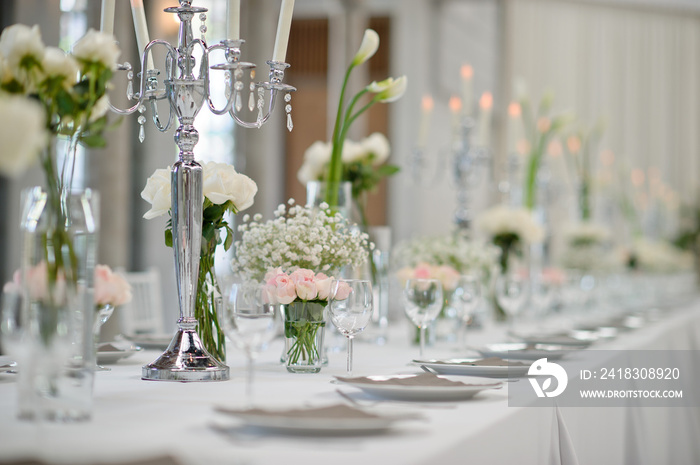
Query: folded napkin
point(421, 379)
point(555, 339)
point(331, 411)
point(484, 362)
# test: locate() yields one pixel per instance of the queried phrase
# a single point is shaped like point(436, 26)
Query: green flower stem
point(205, 312)
point(302, 326)
point(336, 167)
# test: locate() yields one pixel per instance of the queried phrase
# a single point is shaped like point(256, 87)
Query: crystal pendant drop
point(290, 125)
point(251, 102)
point(142, 134)
point(129, 90)
point(239, 103)
point(251, 97)
point(261, 102)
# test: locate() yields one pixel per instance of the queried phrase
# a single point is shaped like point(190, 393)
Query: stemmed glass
point(468, 294)
point(102, 314)
point(512, 291)
point(250, 322)
point(350, 308)
point(422, 303)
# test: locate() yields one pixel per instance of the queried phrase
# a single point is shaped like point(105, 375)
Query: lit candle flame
point(554, 149)
point(486, 101)
point(637, 177)
point(514, 110)
point(455, 104)
point(466, 71)
point(427, 103)
point(607, 157)
point(574, 144)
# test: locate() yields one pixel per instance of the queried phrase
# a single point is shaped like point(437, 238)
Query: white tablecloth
point(135, 419)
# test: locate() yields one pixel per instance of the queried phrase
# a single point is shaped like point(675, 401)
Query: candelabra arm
point(148, 84)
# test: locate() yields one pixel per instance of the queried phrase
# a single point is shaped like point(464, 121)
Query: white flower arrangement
point(659, 256)
point(465, 256)
point(70, 88)
point(502, 220)
point(371, 151)
point(298, 237)
point(221, 184)
point(584, 247)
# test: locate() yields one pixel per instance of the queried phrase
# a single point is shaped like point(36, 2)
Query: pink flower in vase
point(110, 288)
point(279, 287)
point(305, 282)
point(323, 285)
point(343, 291)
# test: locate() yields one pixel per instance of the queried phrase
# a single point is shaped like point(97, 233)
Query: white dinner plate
point(523, 351)
point(7, 364)
point(462, 367)
point(151, 341)
point(338, 424)
point(459, 391)
point(579, 340)
point(106, 357)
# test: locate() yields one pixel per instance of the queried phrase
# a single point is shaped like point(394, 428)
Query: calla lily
point(389, 90)
point(368, 47)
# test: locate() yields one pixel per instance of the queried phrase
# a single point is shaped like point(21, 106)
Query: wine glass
point(250, 322)
point(512, 293)
point(102, 314)
point(468, 294)
point(422, 303)
point(350, 308)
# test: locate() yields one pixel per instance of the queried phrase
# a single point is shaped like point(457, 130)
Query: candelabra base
point(185, 359)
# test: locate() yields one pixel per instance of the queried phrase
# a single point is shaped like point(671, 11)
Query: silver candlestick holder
point(186, 359)
point(465, 161)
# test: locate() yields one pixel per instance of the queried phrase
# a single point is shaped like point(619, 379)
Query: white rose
point(18, 42)
point(223, 183)
point(378, 145)
point(97, 47)
point(57, 64)
point(22, 132)
point(100, 109)
point(157, 193)
point(352, 151)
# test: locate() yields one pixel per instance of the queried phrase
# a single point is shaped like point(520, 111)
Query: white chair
point(144, 314)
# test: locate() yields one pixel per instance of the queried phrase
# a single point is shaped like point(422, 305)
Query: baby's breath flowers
point(298, 237)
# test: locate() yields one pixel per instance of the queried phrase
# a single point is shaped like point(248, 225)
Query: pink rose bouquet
point(301, 285)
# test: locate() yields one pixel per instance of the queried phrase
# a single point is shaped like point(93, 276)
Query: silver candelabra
point(466, 162)
point(186, 359)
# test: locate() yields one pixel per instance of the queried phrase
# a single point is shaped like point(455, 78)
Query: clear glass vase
point(338, 196)
point(304, 327)
point(57, 352)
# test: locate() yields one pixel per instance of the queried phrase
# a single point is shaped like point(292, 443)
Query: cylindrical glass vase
point(338, 196)
point(57, 354)
point(304, 327)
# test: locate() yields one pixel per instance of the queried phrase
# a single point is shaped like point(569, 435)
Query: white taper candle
point(233, 20)
point(107, 17)
point(283, 27)
point(141, 28)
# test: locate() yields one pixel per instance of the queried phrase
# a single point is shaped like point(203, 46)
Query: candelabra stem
point(186, 359)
